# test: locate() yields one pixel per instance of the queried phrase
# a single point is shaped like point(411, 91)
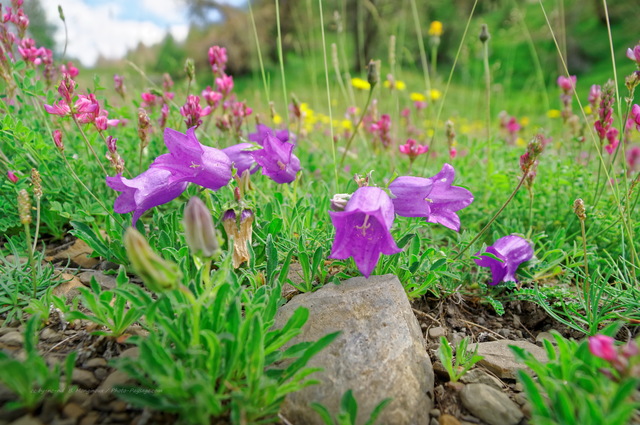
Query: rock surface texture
point(379, 354)
point(499, 359)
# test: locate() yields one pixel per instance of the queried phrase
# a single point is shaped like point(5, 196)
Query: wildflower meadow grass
point(203, 191)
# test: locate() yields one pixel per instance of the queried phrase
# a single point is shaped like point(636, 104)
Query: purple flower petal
point(433, 198)
point(151, 188)
point(190, 161)
point(241, 157)
point(277, 160)
point(263, 131)
point(362, 229)
point(513, 251)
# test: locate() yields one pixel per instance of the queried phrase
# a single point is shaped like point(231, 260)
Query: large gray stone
point(499, 359)
point(379, 354)
point(492, 406)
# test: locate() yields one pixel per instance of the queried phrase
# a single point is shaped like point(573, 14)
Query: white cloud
point(106, 29)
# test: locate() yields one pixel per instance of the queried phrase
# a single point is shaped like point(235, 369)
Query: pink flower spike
point(602, 346)
point(567, 84)
point(217, 59)
point(12, 176)
point(57, 139)
point(69, 70)
point(612, 138)
point(224, 84)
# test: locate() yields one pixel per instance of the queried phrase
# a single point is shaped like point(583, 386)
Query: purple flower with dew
point(190, 161)
point(264, 131)
point(241, 157)
point(510, 252)
point(363, 229)
point(151, 188)
point(277, 160)
point(433, 198)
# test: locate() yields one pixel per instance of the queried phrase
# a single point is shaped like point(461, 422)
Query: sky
point(111, 27)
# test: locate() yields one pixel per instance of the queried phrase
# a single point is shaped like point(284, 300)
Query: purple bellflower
point(433, 198)
point(190, 161)
point(277, 160)
point(153, 187)
point(263, 131)
point(363, 229)
point(241, 157)
point(511, 251)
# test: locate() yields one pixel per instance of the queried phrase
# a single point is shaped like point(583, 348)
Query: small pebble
point(434, 413)
point(13, 338)
point(73, 410)
point(437, 332)
point(95, 362)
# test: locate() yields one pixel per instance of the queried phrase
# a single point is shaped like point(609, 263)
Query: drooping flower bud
point(12, 176)
point(339, 201)
point(373, 73)
point(157, 273)
point(484, 35)
point(199, 231)
point(240, 232)
point(57, 139)
point(579, 210)
point(144, 127)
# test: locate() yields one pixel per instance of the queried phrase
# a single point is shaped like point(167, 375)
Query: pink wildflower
point(382, 129)
point(212, 97)
point(57, 139)
point(69, 69)
point(217, 59)
point(12, 176)
point(602, 346)
point(567, 84)
point(594, 97)
point(149, 100)
point(634, 54)
point(224, 84)
point(192, 111)
point(412, 149)
point(633, 159)
point(612, 138)
point(635, 115)
point(118, 85)
point(29, 52)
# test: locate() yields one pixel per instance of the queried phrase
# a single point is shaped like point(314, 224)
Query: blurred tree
point(39, 29)
point(171, 57)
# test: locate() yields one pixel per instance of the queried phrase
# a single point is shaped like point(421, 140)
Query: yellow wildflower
point(524, 121)
point(361, 84)
point(398, 85)
point(435, 29)
point(520, 142)
point(417, 97)
point(347, 124)
point(277, 119)
point(554, 113)
point(587, 110)
point(435, 94)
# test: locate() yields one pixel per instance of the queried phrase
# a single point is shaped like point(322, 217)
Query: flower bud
point(198, 229)
point(373, 73)
point(36, 181)
point(11, 175)
point(24, 207)
point(157, 273)
point(241, 233)
point(579, 210)
point(190, 69)
point(339, 201)
point(484, 33)
point(57, 139)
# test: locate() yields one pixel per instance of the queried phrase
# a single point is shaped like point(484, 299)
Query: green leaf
point(349, 405)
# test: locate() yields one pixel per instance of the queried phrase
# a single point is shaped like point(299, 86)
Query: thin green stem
point(487, 81)
point(281, 60)
point(255, 35)
point(27, 235)
point(355, 130)
point(35, 236)
point(530, 190)
point(326, 78)
point(586, 264)
point(423, 54)
point(484, 229)
point(195, 311)
point(86, 142)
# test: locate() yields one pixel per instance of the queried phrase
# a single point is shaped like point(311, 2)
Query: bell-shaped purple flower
point(241, 157)
point(190, 161)
point(511, 251)
point(263, 131)
point(152, 188)
point(277, 160)
point(433, 198)
point(363, 229)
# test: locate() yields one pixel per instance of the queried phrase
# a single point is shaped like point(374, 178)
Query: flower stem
point(86, 142)
point(27, 234)
point(484, 229)
point(355, 130)
point(530, 190)
point(487, 80)
point(35, 236)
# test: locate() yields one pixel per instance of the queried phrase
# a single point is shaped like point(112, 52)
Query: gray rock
point(490, 405)
point(84, 378)
point(545, 335)
point(437, 332)
point(105, 281)
point(26, 420)
point(379, 354)
point(96, 362)
point(12, 338)
point(477, 376)
point(4, 331)
point(499, 359)
point(105, 393)
point(50, 335)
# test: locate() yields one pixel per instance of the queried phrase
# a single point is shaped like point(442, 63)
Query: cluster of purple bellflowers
point(189, 161)
point(363, 224)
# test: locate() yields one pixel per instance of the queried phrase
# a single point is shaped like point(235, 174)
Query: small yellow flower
point(277, 119)
point(587, 110)
point(554, 113)
point(347, 124)
point(361, 84)
point(524, 121)
point(417, 97)
point(520, 142)
point(435, 29)
point(430, 132)
point(435, 94)
point(398, 85)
